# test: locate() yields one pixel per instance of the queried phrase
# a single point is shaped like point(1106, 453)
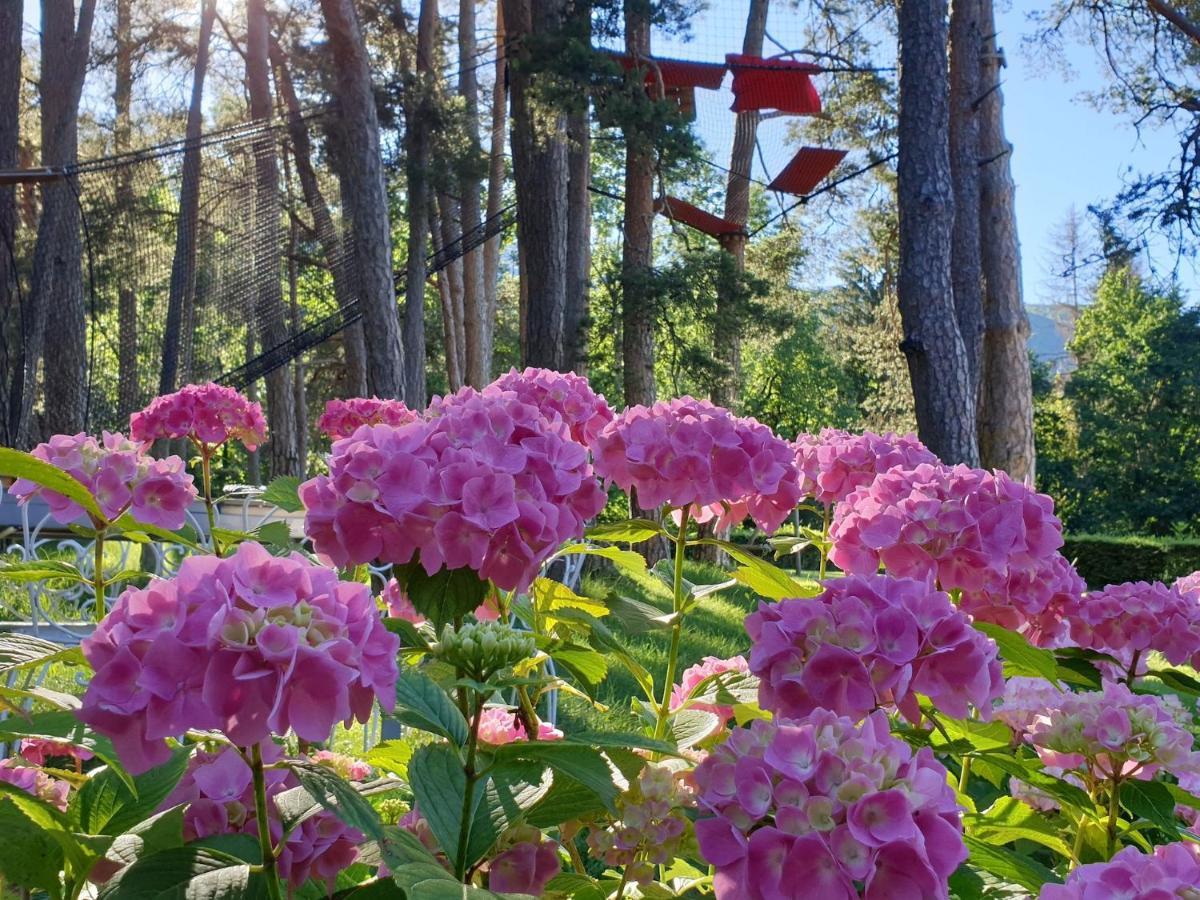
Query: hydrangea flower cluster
point(835, 463)
point(251, 645)
point(499, 725)
point(1033, 601)
point(207, 414)
point(1113, 733)
point(398, 605)
point(828, 804)
point(39, 751)
point(344, 417)
point(35, 782)
point(486, 484)
point(1025, 699)
point(1171, 871)
point(869, 641)
point(564, 395)
point(703, 670)
point(652, 825)
point(969, 529)
point(1137, 617)
point(526, 863)
point(1188, 585)
point(346, 766)
point(219, 791)
point(690, 453)
point(120, 477)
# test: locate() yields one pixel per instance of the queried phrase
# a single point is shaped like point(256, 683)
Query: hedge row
point(1107, 559)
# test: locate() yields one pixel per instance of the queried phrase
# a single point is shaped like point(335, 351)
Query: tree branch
point(1176, 18)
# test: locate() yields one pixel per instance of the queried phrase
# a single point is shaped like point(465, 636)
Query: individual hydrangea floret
point(219, 791)
point(702, 671)
point(206, 414)
point(835, 463)
point(563, 394)
point(826, 806)
point(525, 864)
point(1136, 618)
point(38, 751)
point(120, 477)
point(500, 725)
point(1171, 871)
point(487, 484)
point(690, 453)
point(35, 782)
point(251, 645)
point(867, 642)
point(344, 417)
point(1034, 601)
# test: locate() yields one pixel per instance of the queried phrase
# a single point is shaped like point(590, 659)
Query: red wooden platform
point(807, 169)
point(695, 217)
point(773, 84)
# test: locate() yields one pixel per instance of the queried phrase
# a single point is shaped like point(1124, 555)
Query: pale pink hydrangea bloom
point(38, 750)
point(835, 463)
point(120, 477)
point(207, 414)
point(690, 453)
point(252, 645)
point(219, 791)
point(1171, 871)
point(817, 806)
point(500, 725)
point(347, 766)
point(344, 417)
point(1025, 699)
point(1032, 601)
point(560, 394)
point(35, 782)
point(868, 642)
point(1189, 586)
point(1137, 617)
point(652, 824)
point(706, 668)
point(418, 826)
point(487, 484)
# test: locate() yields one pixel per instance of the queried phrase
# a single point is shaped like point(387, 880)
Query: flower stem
point(206, 477)
point(664, 708)
point(1133, 664)
point(98, 574)
point(1077, 847)
point(1114, 813)
point(270, 864)
point(824, 542)
point(460, 855)
point(964, 774)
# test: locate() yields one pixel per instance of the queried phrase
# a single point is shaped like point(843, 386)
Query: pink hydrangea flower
point(705, 669)
point(344, 417)
point(1172, 870)
point(398, 605)
point(120, 477)
point(828, 804)
point(564, 395)
point(1033, 601)
point(38, 750)
point(500, 725)
point(207, 414)
point(487, 484)
point(1137, 617)
point(347, 766)
point(690, 453)
point(835, 463)
point(871, 641)
point(653, 823)
point(252, 645)
point(525, 865)
point(219, 791)
point(35, 782)
point(1025, 699)
point(1188, 585)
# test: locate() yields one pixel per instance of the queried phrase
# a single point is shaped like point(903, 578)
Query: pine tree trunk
point(366, 199)
point(11, 16)
point(1006, 393)
point(451, 307)
point(495, 198)
point(447, 222)
point(937, 359)
point(476, 323)
point(128, 391)
point(579, 218)
point(966, 43)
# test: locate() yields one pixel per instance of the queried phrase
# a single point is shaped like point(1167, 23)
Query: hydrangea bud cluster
point(207, 414)
point(481, 649)
point(487, 484)
point(35, 782)
point(1032, 601)
point(867, 642)
point(701, 672)
point(828, 804)
point(690, 453)
point(525, 864)
point(218, 788)
point(1171, 871)
point(251, 645)
point(1113, 733)
point(564, 395)
point(344, 417)
point(1137, 617)
point(1188, 585)
point(120, 477)
point(969, 529)
point(500, 725)
point(653, 823)
point(835, 463)
point(39, 751)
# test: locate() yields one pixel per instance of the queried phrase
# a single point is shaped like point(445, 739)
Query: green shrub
point(1109, 559)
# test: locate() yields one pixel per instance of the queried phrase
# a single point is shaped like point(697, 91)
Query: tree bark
point(539, 149)
point(182, 295)
point(579, 216)
point(937, 359)
point(445, 221)
point(450, 329)
point(1006, 392)
point(128, 390)
point(475, 320)
point(366, 196)
point(283, 451)
point(11, 17)
point(495, 197)
point(966, 43)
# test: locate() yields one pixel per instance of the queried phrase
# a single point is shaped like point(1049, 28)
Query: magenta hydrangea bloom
point(835, 463)
point(398, 605)
point(251, 645)
point(38, 750)
point(344, 417)
point(120, 477)
point(563, 394)
point(208, 414)
point(1033, 601)
point(824, 804)
point(219, 791)
point(487, 484)
point(35, 782)
point(690, 453)
point(500, 725)
point(706, 668)
point(1172, 870)
point(1137, 617)
point(867, 642)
